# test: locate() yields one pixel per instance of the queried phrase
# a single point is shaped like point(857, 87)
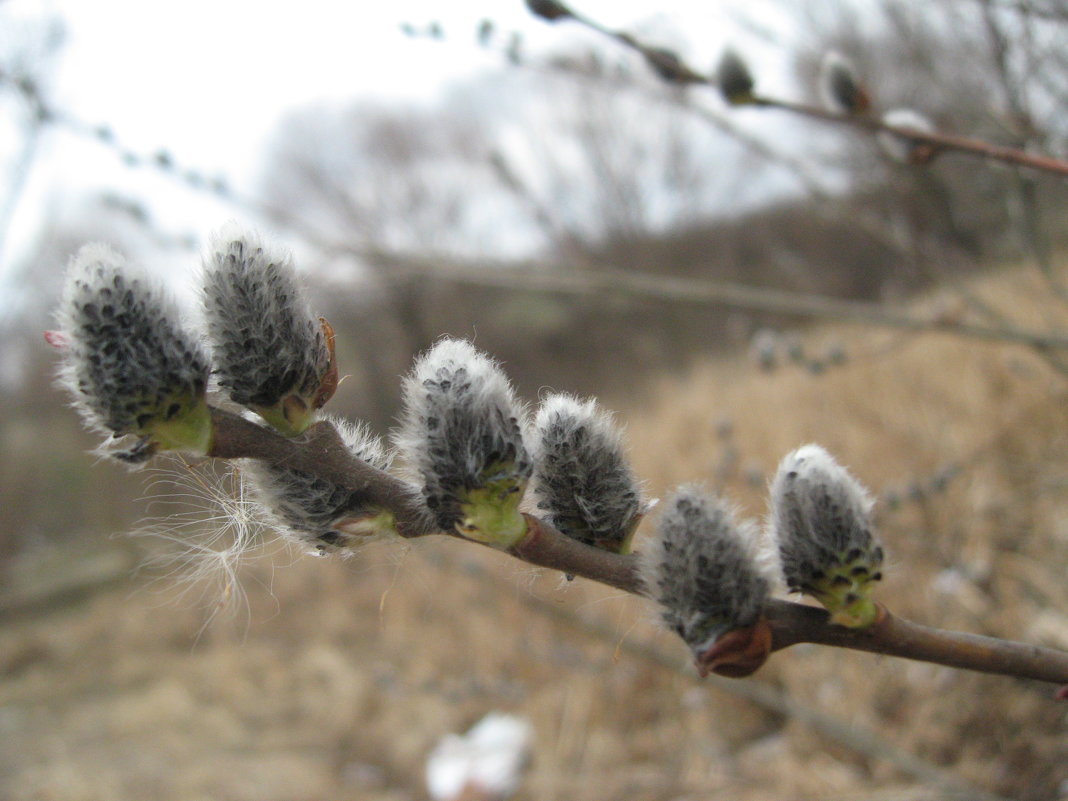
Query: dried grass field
point(342, 674)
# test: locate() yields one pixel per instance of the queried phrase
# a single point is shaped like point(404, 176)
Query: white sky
point(208, 80)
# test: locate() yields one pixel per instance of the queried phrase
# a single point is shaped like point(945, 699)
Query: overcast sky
point(208, 80)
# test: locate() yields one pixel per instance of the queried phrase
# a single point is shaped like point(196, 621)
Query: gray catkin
point(733, 77)
point(126, 359)
point(839, 87)
point(900, 148)
point(265, 341)
point(820, 518)
point(701, 568)
point(460, 418)
point(581, 476)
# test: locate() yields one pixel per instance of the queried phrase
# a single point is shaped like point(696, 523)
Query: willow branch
point(544, 546)
point(669, 66)
point(894, 636)
point(938, 141)
point(320, 452)
point(775, 700)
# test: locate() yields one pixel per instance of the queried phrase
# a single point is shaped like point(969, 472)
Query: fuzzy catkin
point(901, 148)
point(126, 359)
point(306, 507)
point(840, 89)
point(581, 476)
point(701, 568)
point(461, 427)
point(265, 341)
point(821, 520)
point(551, 10)
point(734, 79)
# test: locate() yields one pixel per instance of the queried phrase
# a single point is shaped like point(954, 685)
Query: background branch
point(671, 67)
point(702, 292)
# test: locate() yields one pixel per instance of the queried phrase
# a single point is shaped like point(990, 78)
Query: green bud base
point(372, 526)
point(622, 544)
point(188, 430)
point(290, 417)
point(845, 591)
point(491, 513)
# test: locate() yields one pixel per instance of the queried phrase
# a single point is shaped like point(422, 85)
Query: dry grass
point(350, 671)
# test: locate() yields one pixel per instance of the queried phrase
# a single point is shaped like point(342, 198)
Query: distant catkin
point(840, 88)
point(317, 512)
point(821, 520)
point(581, 475)
point(551, 10)
point(734, 79)
point(462, 431)
point(701, 569)
point(271, 354)
point(127, 361)
point(901, 147)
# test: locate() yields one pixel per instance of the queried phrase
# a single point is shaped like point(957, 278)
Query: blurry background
point(426, 164)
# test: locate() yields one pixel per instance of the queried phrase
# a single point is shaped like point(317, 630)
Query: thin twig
point(673, 69)
point(939, 141)
point(567, 280)
point(894, 636)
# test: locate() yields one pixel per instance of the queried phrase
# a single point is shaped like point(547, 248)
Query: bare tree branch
point(533, 276)
point(673, 69)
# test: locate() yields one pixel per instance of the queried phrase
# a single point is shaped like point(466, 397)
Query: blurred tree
point(28, 52)
point(573, 161)
point(52, 493)
point(979, 68)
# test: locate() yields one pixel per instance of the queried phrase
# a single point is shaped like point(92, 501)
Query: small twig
point(546, 547)
point(320, 452)
point(673, 69)
point(894, 636)
point(939, 141)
